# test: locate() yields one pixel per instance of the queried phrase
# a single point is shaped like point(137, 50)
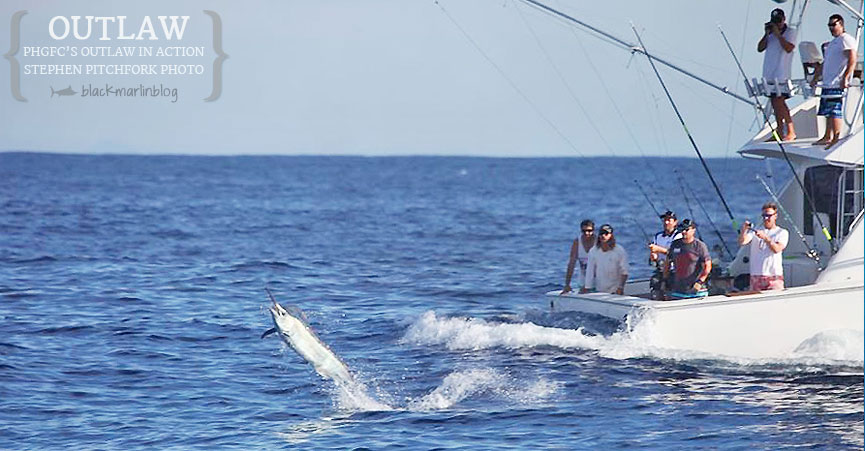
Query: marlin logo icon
point(63, 92)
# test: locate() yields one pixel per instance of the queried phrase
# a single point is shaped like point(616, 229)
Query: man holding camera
point(778, 42)
point(767, 244)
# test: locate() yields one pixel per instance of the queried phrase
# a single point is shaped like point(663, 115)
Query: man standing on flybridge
point(838, 63)
point(778, 42)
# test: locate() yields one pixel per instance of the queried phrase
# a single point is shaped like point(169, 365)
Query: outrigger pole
point(781, 146)
point(634, 49)
point(685, 127)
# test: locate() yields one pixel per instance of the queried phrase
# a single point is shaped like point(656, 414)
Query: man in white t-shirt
point(767, 244)
point(607, 270)
point(838, 62)
point(778, 42)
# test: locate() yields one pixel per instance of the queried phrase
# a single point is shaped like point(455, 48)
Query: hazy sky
point(386, 77)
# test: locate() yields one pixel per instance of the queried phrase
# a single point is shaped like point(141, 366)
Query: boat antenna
point(706, 212)
point(781, 146)
point(685, 128)
point(812, 253)
point(646, 196)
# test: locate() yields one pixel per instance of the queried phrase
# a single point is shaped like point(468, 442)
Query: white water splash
point(476, 334)
point(460, 385)
point(456, 387)
point(461, 334)
point(840, 345)
point(355, 396)
point(631, 342)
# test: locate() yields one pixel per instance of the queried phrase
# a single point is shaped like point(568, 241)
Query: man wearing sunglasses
point(838, 63)
point(607, 270)
point(690, 262)
point(767, 244)
point(580, 252)
point(778, 42)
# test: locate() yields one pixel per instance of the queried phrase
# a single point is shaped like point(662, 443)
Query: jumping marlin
point(63, 92)
point(295, 331)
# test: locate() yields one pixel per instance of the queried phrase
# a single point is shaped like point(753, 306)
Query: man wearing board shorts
point(838, 63)
point(767, 244)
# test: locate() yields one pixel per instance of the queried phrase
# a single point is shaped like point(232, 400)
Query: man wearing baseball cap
point(663, 239)
point(658, 252)
point(778, 42)
point(607, 270)
point(691, 262)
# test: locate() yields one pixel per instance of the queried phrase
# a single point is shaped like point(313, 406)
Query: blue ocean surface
point(132, 303)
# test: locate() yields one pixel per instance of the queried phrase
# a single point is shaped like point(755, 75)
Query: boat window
point(822, 185)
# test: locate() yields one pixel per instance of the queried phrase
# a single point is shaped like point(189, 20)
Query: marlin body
point(292, 327)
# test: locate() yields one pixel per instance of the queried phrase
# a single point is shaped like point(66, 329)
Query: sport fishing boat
point(823, 261)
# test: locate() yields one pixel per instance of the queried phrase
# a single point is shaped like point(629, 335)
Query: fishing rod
point(642, 229)
point(647, 197)
point(781, 146)
point(510, 82)
point(646, 236)
point(705, 212)
point(632, 48)
point(688, 203)
point(685, 127)
point(812, 253)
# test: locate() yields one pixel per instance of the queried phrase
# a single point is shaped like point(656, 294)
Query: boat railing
point(850, 200)
point(858, 111)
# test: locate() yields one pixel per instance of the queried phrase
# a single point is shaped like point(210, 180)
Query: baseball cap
point(686, 224)
point(778, 15)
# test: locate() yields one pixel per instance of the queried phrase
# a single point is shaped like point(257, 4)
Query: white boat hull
point(764, 325)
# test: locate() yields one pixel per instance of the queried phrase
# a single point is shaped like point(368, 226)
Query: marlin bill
point(291, 324)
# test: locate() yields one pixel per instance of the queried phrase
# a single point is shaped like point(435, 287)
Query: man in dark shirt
point(691, 262)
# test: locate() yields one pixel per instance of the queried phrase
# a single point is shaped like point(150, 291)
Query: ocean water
point(132, 303)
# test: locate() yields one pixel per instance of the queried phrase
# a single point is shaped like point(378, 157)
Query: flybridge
point(115, 27)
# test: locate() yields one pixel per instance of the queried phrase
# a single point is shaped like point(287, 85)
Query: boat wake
point(832, 348)
point(840, 347)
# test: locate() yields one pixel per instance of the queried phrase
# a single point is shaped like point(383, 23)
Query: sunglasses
point(588, 230)
point(768, 215)
point(605, 232)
